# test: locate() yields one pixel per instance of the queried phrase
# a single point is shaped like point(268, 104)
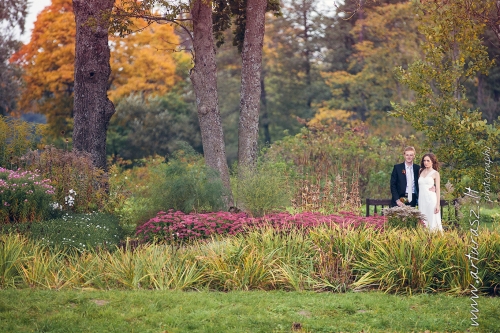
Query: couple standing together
point(413, 184)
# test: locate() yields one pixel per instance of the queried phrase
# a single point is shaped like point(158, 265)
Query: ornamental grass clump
point(403, 217)
point(323, 259)
point(414, 261)
point(12, 248)
point(24, 196)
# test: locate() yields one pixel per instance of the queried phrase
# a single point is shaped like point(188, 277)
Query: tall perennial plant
point(78, 184)
point(25, 196)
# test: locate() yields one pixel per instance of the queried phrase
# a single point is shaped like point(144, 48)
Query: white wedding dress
point(427, 202)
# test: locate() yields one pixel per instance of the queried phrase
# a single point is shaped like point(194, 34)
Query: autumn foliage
point(143, 62)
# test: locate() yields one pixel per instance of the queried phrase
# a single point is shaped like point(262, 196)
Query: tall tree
point(453, 54)
point(390, 39)
point(292, 61)
point(237, 79)
point(204, 73)
point(12, 17)
point(251, 67)
point(484, 91)
point(141, 63)
point(302, 14)
point(92, 108)
point(249, 20)
point(249, 32)
point(48, 64)
point(204, 79)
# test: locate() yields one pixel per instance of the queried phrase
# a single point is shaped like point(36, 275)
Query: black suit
point(398, 183)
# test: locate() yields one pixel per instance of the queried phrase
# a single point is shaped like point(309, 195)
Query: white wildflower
point(56, 205)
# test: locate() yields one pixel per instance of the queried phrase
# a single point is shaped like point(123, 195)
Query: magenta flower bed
point(172, 226)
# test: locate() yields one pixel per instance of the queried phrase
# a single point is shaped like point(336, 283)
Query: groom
point(404, 181)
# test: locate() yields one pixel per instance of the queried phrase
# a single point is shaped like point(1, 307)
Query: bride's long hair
point(434, 160)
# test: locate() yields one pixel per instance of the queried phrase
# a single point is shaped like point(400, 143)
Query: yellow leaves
point(386, 38)
point(145, 62)
point(325, 115)
point(48, 58)
point(391, 25)
point(337, 78)
point(142, 62)
point(365, 49)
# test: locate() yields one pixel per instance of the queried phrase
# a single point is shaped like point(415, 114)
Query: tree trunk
point(265, 115)
point(204, 79)
point(92, 108)
point(251, 67)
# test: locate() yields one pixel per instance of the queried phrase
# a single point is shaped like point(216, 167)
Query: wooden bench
point(376, 202)
point(387, 203)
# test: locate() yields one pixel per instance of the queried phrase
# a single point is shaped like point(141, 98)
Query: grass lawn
point(255, 311)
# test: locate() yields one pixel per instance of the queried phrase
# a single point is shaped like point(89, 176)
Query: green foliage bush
point(80, 231)
point(17, 137)
point(130, 190)
point(267, 189)
point(24, 197)
point(484, 218)
point(403, 217)
point(184, 183)
point(189, 185)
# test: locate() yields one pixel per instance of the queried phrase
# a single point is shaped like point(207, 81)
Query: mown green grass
point(256, 311)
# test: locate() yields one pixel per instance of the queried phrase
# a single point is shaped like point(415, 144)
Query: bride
point(428, 201)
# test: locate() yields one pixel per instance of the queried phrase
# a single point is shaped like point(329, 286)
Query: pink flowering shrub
point(24, 196)
point(178, 226)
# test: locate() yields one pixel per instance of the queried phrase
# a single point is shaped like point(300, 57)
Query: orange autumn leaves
point(146, 62)
point(143, 62)
point(48, 59)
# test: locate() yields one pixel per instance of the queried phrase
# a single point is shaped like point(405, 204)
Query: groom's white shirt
point(410, 184)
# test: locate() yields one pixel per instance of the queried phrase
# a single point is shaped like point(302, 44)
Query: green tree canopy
point(453, 54)
point(12, 18)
